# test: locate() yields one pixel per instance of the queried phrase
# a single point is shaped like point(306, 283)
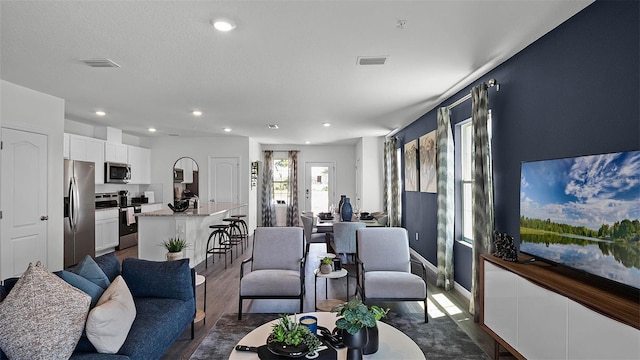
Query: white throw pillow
point(42, 317)
point(109, 322)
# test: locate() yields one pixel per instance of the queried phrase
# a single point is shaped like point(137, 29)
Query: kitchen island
point(191, 225)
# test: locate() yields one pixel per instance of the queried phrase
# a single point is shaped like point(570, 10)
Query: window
point(280, 180)
point(465, 159)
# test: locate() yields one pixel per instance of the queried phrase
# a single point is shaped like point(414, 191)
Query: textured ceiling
point(290, 63)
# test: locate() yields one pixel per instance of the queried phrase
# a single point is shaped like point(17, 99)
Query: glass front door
point(319, 187)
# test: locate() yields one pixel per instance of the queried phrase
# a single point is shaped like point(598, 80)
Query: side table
point(201, 314)
point(328, 304)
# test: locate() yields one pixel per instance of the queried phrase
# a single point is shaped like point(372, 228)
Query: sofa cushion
point(83, 284)
point(41, 316)
point(109, 264)
point(110, 321)
point(159, 322)
point(271, 283)
point(162, 279)
point(90, 270)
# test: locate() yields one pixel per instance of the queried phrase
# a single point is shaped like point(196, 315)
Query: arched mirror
point(185, 179)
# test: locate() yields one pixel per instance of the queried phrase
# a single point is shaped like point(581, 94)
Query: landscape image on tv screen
point(584, 213)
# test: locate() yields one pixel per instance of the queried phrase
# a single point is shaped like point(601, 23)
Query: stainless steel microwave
point(116, 173)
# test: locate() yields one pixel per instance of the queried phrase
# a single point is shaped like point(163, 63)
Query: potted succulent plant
point(175, 247)
point(358, 327)
point(325, 265)
point(290, 339)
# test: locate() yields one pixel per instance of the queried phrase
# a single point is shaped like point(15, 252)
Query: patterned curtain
point(391, 194)
point(292, 200)
point(482, 189)
point(268, 215)
point(446, 203)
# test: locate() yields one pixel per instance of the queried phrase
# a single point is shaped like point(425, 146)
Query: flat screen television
point(583, 213)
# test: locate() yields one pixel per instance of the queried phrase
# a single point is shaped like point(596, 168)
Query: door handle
point(44, 217)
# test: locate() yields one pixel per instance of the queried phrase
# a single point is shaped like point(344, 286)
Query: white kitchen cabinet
point(65, 149)
point(88, 149)
point(140, 161)
point(150, 207)
point(107, 229)
point(114, 152)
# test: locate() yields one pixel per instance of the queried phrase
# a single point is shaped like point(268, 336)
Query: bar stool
point(219, 243)
point(235, 234)
point(243, 227)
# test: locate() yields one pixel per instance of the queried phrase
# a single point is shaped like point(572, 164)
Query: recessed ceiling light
point(326, 124)
point(196, 112)
point(223, 24)
point(227, 129)
point(273, 126)
point(307, 142)
point(101, 113)
point(152, 129)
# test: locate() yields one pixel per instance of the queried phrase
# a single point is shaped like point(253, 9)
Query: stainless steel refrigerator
point(79, 211)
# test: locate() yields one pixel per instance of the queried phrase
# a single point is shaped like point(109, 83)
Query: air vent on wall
point(100, 63)
point(372, 60)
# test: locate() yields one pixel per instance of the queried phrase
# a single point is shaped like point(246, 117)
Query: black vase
point(355, 343)
point(372, 343)
point(347, 211)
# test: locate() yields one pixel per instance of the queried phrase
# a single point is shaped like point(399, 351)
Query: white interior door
point(319, 186)
point(24, 201)
point(223, 180)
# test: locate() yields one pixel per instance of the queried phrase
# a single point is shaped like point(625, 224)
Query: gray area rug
point(441, 338)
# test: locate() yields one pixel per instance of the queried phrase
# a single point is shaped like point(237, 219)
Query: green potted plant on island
point(325, 265)
point(290, 339)
point(358, 327)
point(175, 247)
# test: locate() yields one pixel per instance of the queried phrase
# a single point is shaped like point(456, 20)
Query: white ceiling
point(290, 63)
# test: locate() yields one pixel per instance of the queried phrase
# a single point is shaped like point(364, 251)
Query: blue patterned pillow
point(83, 284)
point(90, 270)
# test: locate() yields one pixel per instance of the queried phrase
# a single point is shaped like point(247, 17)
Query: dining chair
point(310, 235)
point(277, 266)
point(344, 237)
point(384, 267)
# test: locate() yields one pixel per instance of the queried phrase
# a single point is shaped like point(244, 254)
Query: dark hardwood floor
point(222, 297)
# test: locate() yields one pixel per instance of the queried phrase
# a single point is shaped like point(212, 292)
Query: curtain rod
point(490, 83)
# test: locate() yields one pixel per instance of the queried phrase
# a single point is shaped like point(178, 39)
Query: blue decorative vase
point(346, 212)
point(342, 197)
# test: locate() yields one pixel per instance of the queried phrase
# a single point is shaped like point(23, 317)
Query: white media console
point(536, 313)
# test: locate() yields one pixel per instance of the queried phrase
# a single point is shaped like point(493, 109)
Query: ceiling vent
point(372, 60)
point(100, 63)
point(272, 126)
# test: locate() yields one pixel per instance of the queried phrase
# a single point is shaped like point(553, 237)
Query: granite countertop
point(202, 210)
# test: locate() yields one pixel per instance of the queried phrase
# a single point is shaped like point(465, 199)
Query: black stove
point(106, 200)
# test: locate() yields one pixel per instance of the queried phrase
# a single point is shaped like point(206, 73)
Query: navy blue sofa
point(164, 295)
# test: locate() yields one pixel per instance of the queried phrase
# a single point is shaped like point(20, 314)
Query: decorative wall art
point(411, 166)
point(428, 157)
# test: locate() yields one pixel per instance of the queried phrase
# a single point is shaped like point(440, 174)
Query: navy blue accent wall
point(575, 91)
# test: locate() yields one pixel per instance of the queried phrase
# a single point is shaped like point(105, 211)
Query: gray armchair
point(344, 237)
point(277, 266)
point(384, 267)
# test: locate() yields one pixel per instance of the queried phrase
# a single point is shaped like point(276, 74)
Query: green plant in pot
point(358, 327)
point(290, 339)
point(325, 265)
point(175, 248)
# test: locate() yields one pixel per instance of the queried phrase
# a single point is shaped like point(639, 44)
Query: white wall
point(254, 155)
point(29, 110)
point(166, 150)
point(371, 151)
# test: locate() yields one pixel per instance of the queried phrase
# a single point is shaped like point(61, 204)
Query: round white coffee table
point(393, 343)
